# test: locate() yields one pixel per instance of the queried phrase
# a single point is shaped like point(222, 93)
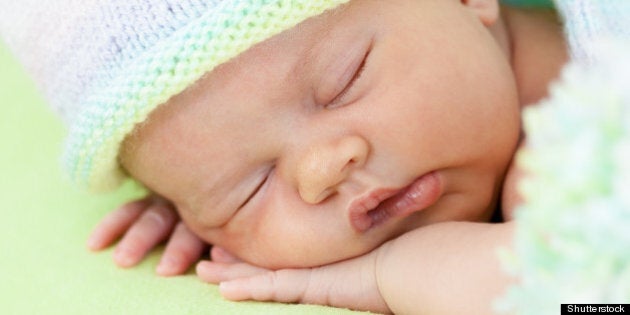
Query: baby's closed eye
point(341, 74)
point(259, 181)
point(347, 84)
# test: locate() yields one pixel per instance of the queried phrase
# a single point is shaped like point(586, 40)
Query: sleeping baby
point(349, 153)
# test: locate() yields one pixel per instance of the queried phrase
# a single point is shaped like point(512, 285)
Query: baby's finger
point(220, 255)
point(155, 224)
point(183, 250)
point(287, 286)
point(115, 224)
point(214, 272)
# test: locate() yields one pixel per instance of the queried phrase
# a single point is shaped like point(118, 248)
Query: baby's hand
point(348, 284)
point(143, 224)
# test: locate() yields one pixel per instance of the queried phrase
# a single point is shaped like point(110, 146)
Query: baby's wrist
point(380, 276)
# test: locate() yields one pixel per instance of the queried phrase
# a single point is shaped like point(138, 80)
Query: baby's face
point(326, 141)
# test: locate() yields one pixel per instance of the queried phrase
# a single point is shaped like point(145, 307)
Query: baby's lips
point(421, 194)
point(361, 210)
point(382, 204)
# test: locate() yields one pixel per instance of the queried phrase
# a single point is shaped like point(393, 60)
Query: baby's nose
point(327, 164)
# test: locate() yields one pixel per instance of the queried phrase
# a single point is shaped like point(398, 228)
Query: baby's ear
point(486, 10)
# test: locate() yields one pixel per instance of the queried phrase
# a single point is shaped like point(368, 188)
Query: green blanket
point(45, 267)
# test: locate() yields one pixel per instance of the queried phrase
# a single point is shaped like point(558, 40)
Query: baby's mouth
point(381, 204)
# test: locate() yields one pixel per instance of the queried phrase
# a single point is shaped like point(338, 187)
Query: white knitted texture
point(588, 21)
point(68, 44)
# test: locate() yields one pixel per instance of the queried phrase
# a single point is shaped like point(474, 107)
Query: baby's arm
point(143, 224)
point(446, 268)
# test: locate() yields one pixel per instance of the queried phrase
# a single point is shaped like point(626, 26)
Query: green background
point(45, 267)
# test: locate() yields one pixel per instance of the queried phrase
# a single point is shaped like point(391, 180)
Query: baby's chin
point(304, 258)
point(292, 262)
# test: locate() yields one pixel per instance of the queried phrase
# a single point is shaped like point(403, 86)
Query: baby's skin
point(354, 160)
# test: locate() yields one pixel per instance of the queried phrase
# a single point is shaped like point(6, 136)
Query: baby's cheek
point(511, 196)
point(271, 252)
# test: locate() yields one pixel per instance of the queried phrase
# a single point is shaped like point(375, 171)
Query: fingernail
point(203, 267)
point(226, 286)
point(92, 243)
point(207, 271)
point(123, 258)
point(166, 267)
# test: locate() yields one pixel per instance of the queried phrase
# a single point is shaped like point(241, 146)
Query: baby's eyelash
point(256, 190)
point(338, 100)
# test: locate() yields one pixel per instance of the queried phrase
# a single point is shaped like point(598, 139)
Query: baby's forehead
point(306, 36)
point(302, 48)
point(284, 57)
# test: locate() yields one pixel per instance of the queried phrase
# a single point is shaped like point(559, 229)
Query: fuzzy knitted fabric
point(572, 235)
point(589, 21)
point(105, 65)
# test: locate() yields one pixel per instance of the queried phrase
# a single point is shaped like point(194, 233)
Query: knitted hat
point(105, 65)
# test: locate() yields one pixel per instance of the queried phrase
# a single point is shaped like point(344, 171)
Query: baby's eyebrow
point(311, 53)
